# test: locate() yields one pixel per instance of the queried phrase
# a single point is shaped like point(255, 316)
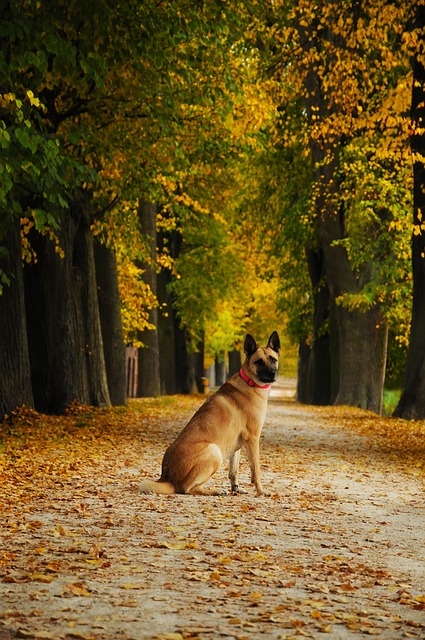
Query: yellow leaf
point(40, 577)
point(131, 585)
point(316, 614)
point(63, 532)
point(181, 544)
point(77, 589)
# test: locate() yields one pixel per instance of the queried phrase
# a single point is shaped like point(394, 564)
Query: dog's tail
point(160, 487)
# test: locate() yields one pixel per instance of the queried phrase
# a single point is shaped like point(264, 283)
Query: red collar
point(251, 382)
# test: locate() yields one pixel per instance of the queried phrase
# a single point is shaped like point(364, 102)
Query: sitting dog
point(231, 418)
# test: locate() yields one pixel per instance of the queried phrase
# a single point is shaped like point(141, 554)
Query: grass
point(390, 401)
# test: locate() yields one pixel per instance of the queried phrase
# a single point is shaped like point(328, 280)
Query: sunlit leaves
point(341, 80)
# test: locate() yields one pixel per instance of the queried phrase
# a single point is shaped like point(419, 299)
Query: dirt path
point(336, 551)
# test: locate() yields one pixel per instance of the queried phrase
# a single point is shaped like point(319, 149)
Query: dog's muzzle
point(266, 375)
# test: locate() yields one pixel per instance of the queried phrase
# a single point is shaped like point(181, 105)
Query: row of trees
point(343, 75)
point(171, 171)
point(112, 116)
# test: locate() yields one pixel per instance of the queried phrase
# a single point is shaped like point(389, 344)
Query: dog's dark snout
point(267, 372)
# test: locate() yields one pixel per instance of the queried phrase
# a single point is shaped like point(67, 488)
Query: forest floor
point(337, 550)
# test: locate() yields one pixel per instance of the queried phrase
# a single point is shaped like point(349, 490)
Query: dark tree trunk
point(363, 354)
point(235, 361)
point(303, 386)
point(110, 319)
point(198, 363)
point(220, 370)
point(179, 366)
point(149, 356)
point(412, 401)
point(185, 362)
point(319, 361)
point(15, 376)
point(64, 332)
point(166, 336)
point(357, 338)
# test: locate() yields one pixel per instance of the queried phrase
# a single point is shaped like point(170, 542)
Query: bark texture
point(64, 331)
point(149, 356)
point(15, 378)
point(110, 319)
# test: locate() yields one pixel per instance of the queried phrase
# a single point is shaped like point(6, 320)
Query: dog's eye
point(259, 362)
point(272, 359)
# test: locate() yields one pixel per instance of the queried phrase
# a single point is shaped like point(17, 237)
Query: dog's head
point(263, 362)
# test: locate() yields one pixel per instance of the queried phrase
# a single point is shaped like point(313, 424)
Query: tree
point(350, 69)
point(110, 320)
point(108, 101)
point(64, 330)
point(149, 356)
point(412, 401)
point(15, 379)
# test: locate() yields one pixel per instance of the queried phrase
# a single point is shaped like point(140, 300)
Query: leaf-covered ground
point(336, 551)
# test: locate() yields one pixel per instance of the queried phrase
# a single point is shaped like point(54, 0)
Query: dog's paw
point(236, 490)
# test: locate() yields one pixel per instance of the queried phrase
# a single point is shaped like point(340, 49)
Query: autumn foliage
point(273, 141)
point(83, 555)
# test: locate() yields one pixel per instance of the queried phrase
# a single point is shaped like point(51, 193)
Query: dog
point(231, 418)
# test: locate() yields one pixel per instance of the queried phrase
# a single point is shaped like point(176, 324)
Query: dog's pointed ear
point(250, 346)
point(274, 342)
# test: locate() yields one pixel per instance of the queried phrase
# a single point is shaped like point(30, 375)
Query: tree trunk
point(235, 361)
point(15, 376)
point(166, 337)
point(64, 332)
point(319, 361)
point(303, 387)
point(362, 358)
point(198, 363)
point(149, 356)
point(220, 370)
point(357, 337)
point(185, 362)
point(412, 401)
point(110, 318)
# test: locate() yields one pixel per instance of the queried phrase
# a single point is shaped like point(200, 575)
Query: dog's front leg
point(234, 471)
point(253, 451)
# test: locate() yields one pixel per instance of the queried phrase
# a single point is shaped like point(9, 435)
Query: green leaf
point(40, 219)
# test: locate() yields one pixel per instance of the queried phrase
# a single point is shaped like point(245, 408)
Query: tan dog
point(232, 417)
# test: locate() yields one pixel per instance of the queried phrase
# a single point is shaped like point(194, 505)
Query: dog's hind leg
point(208, 461)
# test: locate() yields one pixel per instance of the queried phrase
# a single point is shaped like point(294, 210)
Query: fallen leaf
point(41, 577)
point(63, 532)
point(131, 585)
point(77, 589)
point(177, 546)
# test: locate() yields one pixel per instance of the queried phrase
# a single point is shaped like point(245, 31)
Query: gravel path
point(337, 550)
